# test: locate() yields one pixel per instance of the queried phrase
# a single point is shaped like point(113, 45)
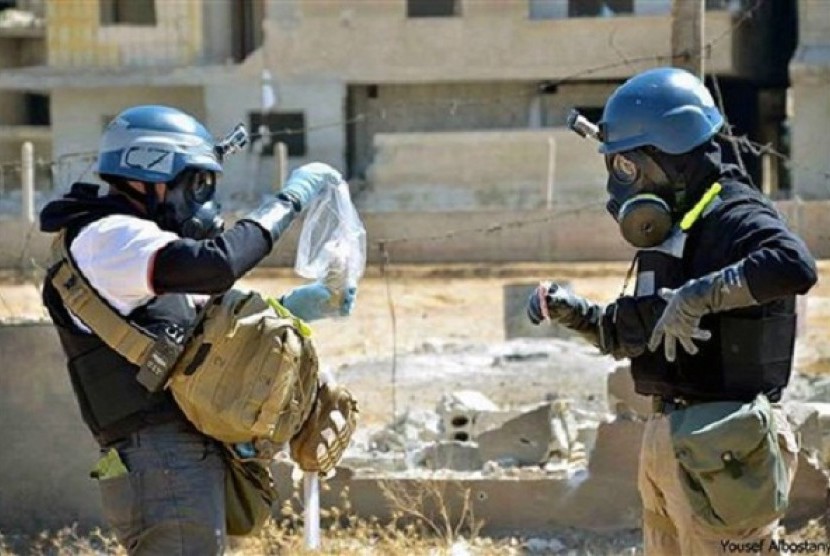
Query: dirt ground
point(453, 309)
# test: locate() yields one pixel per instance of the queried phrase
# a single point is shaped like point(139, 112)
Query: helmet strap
point(147, 199)
point(150, 200)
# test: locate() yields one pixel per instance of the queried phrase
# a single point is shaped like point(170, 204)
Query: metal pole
point(27, 182)
point(281, 160)
point(551, 169)
point(311, 516)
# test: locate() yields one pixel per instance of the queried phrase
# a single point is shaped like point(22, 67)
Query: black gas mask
point(646, 191)
point(646, 187)
point(189, 209)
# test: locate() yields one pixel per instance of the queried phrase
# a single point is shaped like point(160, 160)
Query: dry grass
point(356, 537)
point(421, 523)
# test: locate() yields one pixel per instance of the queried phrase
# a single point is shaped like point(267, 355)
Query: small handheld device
point(158, 365)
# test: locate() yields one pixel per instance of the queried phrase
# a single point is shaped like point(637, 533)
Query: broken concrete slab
point(612, 468)
point(623, 400)
point(525, 439)
point(489, 420)
point(375, 461)
point(450, 454)
point(809, 493)
point(811, 420)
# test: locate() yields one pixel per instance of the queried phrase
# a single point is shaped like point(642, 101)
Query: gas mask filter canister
point(644, 217)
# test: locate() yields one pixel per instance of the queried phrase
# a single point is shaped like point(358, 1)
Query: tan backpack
point(249, 371)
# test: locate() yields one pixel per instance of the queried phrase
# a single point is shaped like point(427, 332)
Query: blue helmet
point(667, 108)
point(155, 144)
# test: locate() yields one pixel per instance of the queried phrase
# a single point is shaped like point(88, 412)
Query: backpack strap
point(129, 341)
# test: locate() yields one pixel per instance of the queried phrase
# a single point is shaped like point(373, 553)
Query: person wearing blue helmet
point(717, 272)
point(153, 247)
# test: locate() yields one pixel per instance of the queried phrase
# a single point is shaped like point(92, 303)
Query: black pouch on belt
point(249, 494)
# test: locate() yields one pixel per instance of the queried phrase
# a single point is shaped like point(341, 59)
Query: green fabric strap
point(696, 211)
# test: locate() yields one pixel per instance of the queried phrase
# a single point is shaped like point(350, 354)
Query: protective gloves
point(719, 291)
point(552, 301)
point(275, 215)
point(314, 301)
point(308, 181)
point(325, 435)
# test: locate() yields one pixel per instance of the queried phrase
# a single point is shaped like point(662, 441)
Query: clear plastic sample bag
point(332, 246)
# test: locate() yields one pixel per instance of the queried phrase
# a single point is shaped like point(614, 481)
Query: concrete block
point(47, 450)
point(608, 498)
point(454, 455)
point(458, 412)
point(811, 420)
point(623, 400)
point(809, 493)
point(526, 439)
point(375, 461)
point(516, 323)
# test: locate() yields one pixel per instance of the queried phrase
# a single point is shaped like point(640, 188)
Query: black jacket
point(113, 404)
point(751, 348)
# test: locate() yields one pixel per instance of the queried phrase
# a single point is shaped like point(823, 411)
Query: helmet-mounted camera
point(234, 141)
point(583, 126)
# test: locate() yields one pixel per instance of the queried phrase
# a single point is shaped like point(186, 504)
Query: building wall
point(217, 31)
point(12, 107)
point(809, 124)
point(485, 170)
point(472, 106)
point(810, 101)
point(20, 47)
point(813, 22)
point(490, 41)
point(320, 100)
point(77, 39)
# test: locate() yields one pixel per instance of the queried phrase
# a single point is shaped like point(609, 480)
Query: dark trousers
point(172, 499)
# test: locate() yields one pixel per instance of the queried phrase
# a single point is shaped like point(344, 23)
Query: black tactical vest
point(112, 403)
point(750, 351)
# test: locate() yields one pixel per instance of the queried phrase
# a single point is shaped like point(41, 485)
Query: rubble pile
point(469, 433)
point(560, 454)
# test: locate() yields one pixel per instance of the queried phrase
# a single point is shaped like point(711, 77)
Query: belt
point(126, 428)
point(665, 406)
point(669, 405)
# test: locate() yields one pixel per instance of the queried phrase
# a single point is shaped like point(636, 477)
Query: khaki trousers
point(669, 528)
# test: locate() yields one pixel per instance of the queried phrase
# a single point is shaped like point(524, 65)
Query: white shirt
point(116, 255)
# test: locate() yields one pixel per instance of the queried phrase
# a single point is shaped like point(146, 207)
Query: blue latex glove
point(312, 302)
point(308, 181)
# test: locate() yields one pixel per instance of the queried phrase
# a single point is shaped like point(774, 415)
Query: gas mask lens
point(622, 168)
point(202, 187)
